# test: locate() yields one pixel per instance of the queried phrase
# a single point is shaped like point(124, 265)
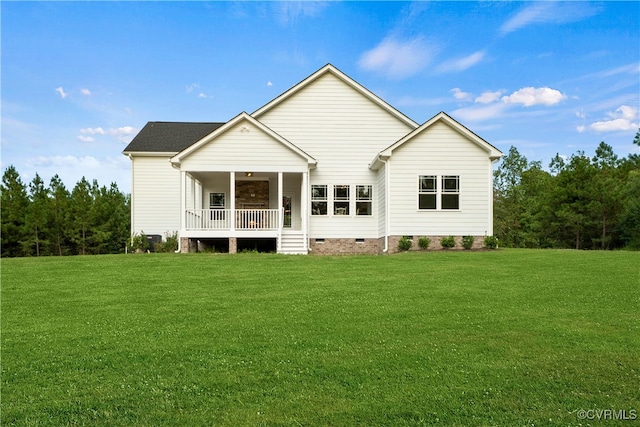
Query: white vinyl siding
point(244, 148)
point(343, 130)
point(440, 151)
point(155, 196)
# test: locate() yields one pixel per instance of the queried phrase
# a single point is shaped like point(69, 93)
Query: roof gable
point(169, 137)
point(343, 77)
point(233, 123)
point(492, 152)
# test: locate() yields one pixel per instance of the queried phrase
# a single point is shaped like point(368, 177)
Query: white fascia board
point(149, 153)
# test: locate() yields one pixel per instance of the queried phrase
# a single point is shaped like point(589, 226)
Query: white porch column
point(193, 191)
point(232, 200)
point(304, 206)
point(280, 194)
point(183, 200)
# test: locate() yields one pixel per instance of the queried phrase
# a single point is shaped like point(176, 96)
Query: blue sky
point(79, 79)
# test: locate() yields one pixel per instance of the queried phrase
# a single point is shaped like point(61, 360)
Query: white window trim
point(439, 191)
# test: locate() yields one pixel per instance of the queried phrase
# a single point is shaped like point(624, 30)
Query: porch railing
point(225, 219)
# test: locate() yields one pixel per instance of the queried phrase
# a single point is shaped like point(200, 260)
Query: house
point(326, 167)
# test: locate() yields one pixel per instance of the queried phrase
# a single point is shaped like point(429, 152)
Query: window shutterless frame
point(427, 192)
point(319, 200)
point(364, 200)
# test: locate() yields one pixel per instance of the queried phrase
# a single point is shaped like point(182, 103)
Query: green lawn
point(506, 338)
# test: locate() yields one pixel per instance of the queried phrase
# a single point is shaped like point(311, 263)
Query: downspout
point(386, 204)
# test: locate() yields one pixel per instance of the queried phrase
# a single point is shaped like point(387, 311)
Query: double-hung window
point(318, 200)
point(341, 200)
point(364, 200)
point(427, 191)
point(438, 193)
point(450, 192)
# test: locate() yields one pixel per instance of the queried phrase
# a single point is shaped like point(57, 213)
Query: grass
point(507, 338)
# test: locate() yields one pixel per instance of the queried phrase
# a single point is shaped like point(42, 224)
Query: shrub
point(424, 242)
point(405, 243)
point(491, 242)
point(467, 241)
point(170, 243)
point(448, 242)
point(138, 242)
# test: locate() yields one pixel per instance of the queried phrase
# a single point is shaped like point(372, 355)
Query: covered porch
point(245, 205)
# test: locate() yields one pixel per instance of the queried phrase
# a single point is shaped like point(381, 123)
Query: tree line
point(40, 220)
point(581, 202)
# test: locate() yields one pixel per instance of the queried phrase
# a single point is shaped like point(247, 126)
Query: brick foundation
point(345, 246)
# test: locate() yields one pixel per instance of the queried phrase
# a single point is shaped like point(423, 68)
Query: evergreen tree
point(14, 207)
point(37, 216)
point(59, 222)
point(81, 211)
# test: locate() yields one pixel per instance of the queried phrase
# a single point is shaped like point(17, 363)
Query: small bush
point(467, 241)
point(138, 242)
point(424, 242)
point(170, 243)
point(491, 242)
point(405, 243)
point(448, 242)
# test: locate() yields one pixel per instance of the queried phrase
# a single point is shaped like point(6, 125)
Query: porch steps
point(292, 243)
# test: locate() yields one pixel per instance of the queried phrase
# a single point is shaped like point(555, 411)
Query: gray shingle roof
point(169, 137)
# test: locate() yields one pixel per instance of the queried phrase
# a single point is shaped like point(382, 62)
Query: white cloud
point(489, 97)
point(123, 133)
point(62, 93)
point(85, 92)
point(480, 113)
point(581, 128)
point(398, 59)
point(202, 95)
point(460, 95)
point(191, 87)
point(93, 131)
point(548, 12)
point(288, 12)
point(65, 161)
point(462, 64)
point(530, 96)
point(269, 83)
point(623, 119)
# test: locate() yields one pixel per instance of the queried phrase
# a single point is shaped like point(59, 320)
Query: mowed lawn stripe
point(509, 337)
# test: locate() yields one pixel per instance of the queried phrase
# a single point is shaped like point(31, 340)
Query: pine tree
point(14, 212)
point(59, 222)
point(37, 216)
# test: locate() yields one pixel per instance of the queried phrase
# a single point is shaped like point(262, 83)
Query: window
point(427, 189)
point(216, 201)
point(318, 200)
point(341, 200)
point(446, 196)
point(217, 205)
point(450, 192)
point(364, 200)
